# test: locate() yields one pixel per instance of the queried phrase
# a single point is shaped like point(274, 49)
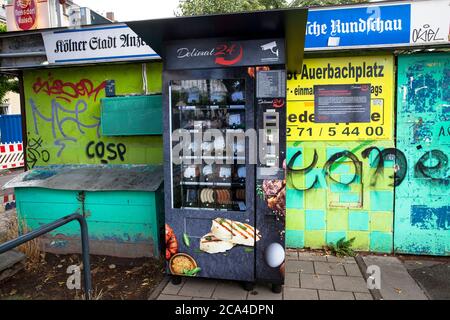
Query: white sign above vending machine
point(96, 44)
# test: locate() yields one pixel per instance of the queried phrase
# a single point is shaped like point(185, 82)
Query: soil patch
point(112, 279)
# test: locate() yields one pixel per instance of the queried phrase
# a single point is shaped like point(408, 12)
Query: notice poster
point(271, 84)
point(342, 103)
point(341, 99)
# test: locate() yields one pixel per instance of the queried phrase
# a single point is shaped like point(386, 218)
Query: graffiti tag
point(105, 152)
point(35, 152)
point(59, 117)
point(432, 165)
point(67, 90)
point(426, 34)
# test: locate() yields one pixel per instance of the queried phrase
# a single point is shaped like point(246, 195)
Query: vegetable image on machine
point(171, 242)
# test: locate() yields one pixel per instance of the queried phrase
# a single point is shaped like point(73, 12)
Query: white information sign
point(430, 22)
point(95, 44)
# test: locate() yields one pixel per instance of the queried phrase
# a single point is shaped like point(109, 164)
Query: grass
point(95, 295)
point(342, 248)
point(30, 248)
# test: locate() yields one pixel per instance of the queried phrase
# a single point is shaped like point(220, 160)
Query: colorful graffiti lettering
point(59, 117)
point(67, 90)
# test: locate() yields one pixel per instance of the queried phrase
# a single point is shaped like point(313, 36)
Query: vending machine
point(224, 150)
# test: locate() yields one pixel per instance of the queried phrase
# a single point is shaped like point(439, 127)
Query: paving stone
point(171, 288)
point(308, 256)
point(335, 259)
point(355, 284)
point(172, 297)
point(316, 281)
point(229, 291)
point(263, 292)
point(202, 288)
point(335, 295)
point(291, 255)
point(329, 268)
point(341, 259)
point(292, 279)
point(352, 270)
point(300, 294)
point(363, 296)
point(299, 266)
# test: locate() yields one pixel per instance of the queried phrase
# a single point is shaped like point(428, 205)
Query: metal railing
point(51, 226)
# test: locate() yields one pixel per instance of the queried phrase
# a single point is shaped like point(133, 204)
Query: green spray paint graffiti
point(332, 193)
point(422, 211)
point(63, 116)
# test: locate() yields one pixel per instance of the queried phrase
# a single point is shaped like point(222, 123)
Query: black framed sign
point(342, 103)
point(216, 53)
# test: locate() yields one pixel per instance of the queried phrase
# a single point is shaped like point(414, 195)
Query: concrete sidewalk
point(309, 276)
point(396, 282)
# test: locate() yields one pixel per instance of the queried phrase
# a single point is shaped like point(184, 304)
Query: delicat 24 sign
point(378, 25)
point(210, 53)
point(108, 43)
point(345, 98)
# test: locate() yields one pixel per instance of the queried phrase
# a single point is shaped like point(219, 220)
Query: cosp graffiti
point(105, 151)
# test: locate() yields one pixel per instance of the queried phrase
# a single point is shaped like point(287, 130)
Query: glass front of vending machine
point(224, 148)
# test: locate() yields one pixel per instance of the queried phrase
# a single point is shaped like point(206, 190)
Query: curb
point(376, 294)
point(159, 288)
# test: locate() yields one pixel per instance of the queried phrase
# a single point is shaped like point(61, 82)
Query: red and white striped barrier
point(11, 155)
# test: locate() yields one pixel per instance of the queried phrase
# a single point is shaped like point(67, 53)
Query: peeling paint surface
point(422, 211)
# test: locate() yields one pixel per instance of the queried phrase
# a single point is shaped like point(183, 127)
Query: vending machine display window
point(212, 172)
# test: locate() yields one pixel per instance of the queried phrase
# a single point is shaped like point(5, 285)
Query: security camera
point(272, 46)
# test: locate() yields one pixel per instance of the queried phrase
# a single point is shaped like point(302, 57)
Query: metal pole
point(51, 226)
point(85, 253)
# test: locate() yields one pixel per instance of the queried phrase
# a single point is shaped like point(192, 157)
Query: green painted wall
point(422, 208)
point(63, 127)
point(121, 217)
point(63, 115)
